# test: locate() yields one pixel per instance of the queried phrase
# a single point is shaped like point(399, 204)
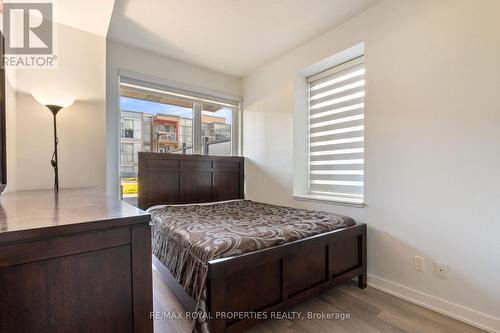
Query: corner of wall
point(11, 124)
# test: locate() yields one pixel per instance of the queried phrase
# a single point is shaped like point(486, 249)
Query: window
point(128, 124)
point(216, 130)
point(129, 134)
point(127, 152)
point(336, 133)
point(166, 120)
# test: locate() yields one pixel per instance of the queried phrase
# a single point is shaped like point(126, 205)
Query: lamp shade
point(55, 97)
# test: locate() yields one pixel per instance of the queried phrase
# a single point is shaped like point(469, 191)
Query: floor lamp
point(54, 100)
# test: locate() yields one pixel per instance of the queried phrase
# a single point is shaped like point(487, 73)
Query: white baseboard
point(455, 311)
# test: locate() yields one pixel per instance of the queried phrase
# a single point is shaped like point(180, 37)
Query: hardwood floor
point(370, 310)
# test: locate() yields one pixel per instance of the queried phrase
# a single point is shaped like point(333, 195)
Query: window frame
point(116, 74)
point(301, 147)
point(196, 98)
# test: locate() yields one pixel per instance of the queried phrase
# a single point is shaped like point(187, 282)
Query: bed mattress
point(186, 237)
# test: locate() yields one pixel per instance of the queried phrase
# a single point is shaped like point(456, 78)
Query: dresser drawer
point(24, 252)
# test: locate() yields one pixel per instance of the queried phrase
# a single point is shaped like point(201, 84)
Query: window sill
point(322, 199)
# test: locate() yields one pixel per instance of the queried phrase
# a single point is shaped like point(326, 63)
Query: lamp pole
point(54, 100)
point(55, 109)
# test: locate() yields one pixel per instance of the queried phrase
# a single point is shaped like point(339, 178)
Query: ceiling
point(89, 15)
point(230, 36)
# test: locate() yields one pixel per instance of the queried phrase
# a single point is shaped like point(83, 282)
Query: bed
point(235, 259)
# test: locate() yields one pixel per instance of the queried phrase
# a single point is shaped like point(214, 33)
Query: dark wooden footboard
point(280, 277)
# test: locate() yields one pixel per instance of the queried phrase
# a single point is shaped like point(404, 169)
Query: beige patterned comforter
point(186, 237)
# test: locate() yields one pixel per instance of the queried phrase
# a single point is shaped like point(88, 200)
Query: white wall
point(432, 146)
point(81, 127)
point(159, 69)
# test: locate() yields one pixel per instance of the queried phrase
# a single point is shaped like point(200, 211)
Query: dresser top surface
point(70, 210)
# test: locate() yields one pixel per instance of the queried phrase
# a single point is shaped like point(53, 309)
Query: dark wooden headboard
point(175, 178)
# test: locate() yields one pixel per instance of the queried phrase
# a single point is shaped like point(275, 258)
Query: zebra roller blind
point(336, 132)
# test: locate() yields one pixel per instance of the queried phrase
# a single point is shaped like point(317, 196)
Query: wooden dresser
point(79, 261)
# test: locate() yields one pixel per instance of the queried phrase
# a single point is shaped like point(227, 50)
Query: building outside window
point(216, 131)
point(162, 122)
point(187, 131)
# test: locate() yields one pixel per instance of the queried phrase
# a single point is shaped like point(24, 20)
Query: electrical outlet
point(441, 270)
point(418, 263)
